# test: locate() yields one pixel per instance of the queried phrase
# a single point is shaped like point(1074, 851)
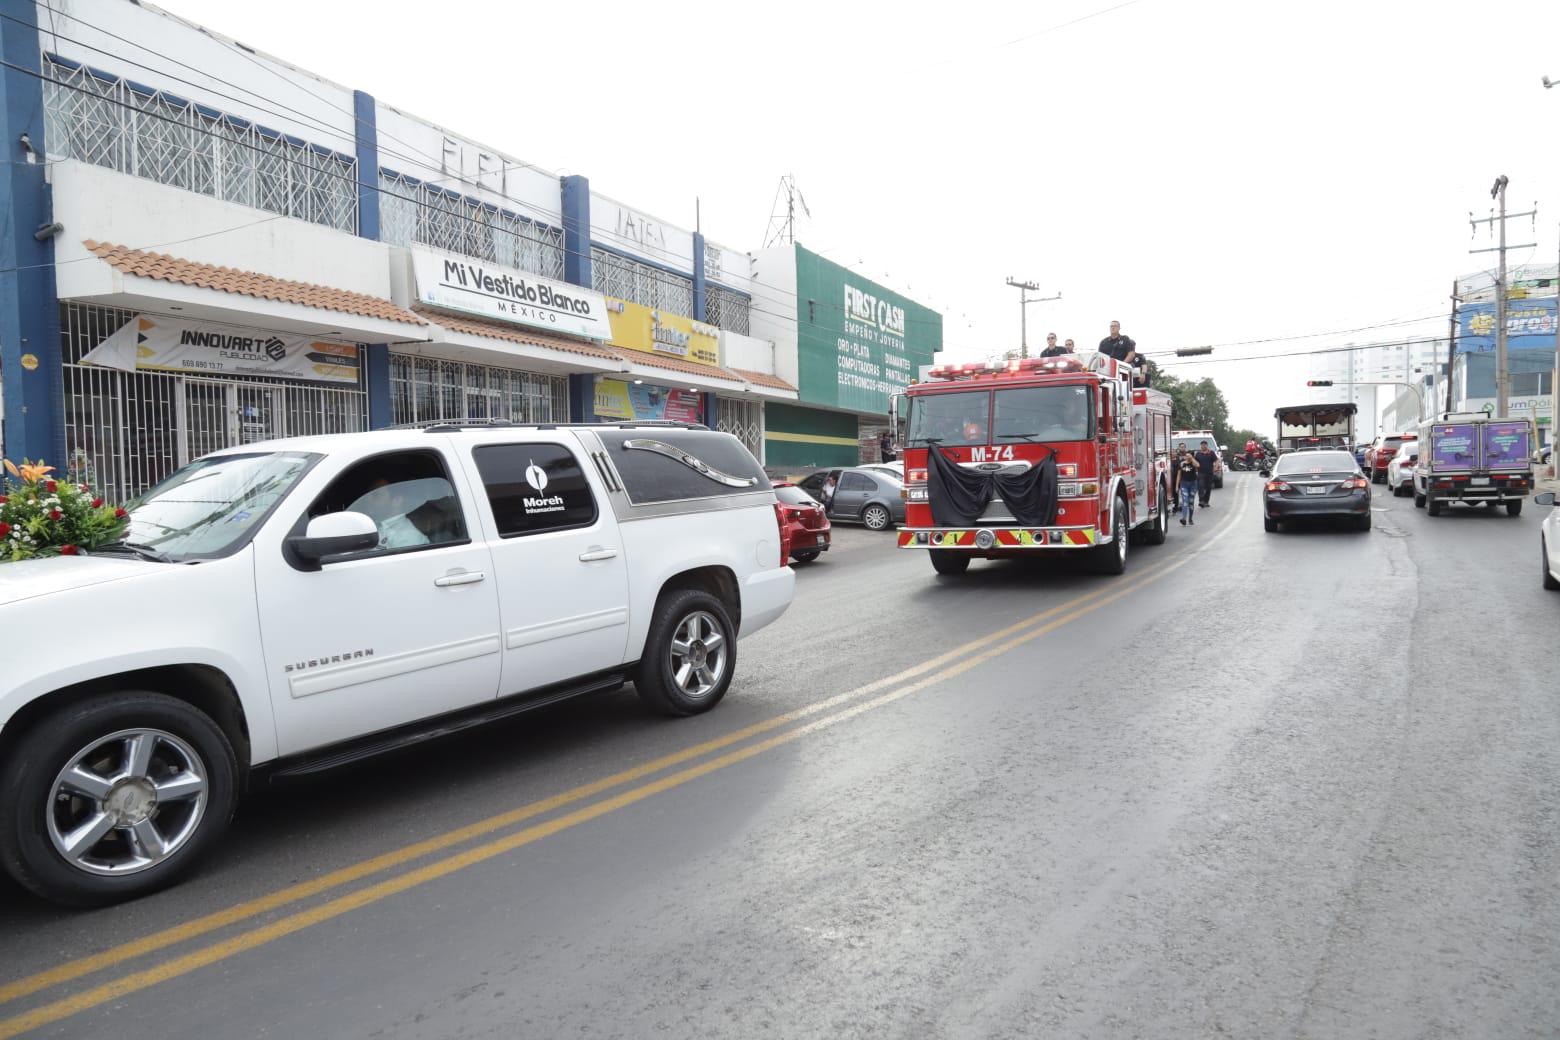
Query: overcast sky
point(1207, 171)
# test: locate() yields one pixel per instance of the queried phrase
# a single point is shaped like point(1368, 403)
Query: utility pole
point(1451, 347)
point(1502, 362)
point(1024, 289)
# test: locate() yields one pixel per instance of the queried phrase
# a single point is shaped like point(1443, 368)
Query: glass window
point(534, 487)
point(407, 494)
point(794, 496)
point(857, 482)
point(208, 508)
point(1042, 413)
point(1321, 463)
point(950, 419)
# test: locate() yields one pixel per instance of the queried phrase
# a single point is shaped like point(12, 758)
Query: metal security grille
point(744, 420)
point(125, 431)
point(640, 283)
point(726, 309)
point(107, 122)
point(425, 389)
point(411, 211)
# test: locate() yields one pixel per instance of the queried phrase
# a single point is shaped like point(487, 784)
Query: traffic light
point(1318, 382)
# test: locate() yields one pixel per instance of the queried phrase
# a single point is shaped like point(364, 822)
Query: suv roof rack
point(455, 425)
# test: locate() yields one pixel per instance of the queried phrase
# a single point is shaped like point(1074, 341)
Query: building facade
point(847, 343)
point(211, 247)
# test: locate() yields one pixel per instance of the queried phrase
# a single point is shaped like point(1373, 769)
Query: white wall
point(638, 234)
point(751, 353)
point(430, 153)
point(101, 204)
point(257, 87)
point(774, 307)
point(735, 269)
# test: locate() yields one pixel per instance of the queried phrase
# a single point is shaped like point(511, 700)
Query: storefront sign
point(459, 283)
point(636, 327)
point(1530, 325)
point(197, 348)
point(857, 342)
point(616, 399)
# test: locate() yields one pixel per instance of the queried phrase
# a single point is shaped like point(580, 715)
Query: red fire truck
point(1106, 439)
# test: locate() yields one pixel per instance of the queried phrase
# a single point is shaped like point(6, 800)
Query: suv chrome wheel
point(127, 801)
point(698, 654)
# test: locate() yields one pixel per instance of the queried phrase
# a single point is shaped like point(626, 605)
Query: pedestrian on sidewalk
point(1205, 457)
point(886, 450)
point(1186, 487)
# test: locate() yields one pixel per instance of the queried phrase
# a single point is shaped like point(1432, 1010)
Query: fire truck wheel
point(946, 561)
point(1112, 557)
point(1155, 533)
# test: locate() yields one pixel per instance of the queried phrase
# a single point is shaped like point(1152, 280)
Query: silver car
point(861, 494)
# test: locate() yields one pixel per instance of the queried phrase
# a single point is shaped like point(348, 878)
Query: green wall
point(857, 342)
point(789, 421)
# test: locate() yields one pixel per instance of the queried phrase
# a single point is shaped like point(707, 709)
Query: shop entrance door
point(222, 415)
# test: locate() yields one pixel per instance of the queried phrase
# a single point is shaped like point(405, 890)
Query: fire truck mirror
point(893, 416)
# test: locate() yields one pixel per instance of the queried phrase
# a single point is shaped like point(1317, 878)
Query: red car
point(1380, 453)
point(805, 523)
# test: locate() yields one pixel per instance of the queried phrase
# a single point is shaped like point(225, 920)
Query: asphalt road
point(1293, 785)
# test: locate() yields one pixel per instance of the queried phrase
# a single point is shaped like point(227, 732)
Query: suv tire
point(685, 669)
point(150, 758)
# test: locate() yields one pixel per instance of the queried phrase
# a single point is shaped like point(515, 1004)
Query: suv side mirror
point(333, 534)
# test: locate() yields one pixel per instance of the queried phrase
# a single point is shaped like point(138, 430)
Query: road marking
point(1025, 631)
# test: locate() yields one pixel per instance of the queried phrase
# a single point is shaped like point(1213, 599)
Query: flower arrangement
point(40, 516)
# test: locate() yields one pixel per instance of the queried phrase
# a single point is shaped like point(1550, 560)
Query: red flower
point(120, 514)
point(5, 529)
point(3, 500)
point(97, 503)
point(55, 514)
point(51, 487)
point(67, 550)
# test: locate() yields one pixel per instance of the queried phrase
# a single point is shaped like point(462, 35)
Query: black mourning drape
point(958, 496)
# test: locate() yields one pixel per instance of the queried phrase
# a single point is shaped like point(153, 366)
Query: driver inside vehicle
point(1064, 417)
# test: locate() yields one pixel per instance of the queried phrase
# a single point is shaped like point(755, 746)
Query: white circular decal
point(536, 477)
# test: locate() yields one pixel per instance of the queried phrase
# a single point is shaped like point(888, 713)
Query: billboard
point(158, 344)
point(616, 399)
point(1530, 325)
point(652, 331)
point(857, 342)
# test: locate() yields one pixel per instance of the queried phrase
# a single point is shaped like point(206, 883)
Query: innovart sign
point(459, 283)
point(196, 348)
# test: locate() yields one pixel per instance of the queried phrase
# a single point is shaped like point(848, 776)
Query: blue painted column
point(582, 397)
point(376, 356)
point(29, 304)
point(711, 412)
point(700, 291)
point(576, 230)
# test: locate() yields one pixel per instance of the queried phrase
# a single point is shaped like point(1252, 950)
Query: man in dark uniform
point(1051, 347)
point(1205, 458)
point(1120, 347)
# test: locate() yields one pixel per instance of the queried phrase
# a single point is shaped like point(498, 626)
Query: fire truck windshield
point(955, 419)
point(1042, 413)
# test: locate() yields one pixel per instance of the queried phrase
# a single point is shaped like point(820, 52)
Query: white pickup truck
point(290, 606)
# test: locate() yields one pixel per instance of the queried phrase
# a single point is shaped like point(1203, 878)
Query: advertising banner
point(459, 283)
point(857, 342)
point(1530, 325)
point(637, 327)
point(196, 348)
point(616, 399)
point(1452, 446)
point(1507, 445)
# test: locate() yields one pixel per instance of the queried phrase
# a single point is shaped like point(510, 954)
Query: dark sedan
point(868, 497)
point(1316, 483)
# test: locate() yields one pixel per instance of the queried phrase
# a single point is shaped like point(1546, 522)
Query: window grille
point(640, 283)
point(744, 420)
point(411, 211)
point(428, 389)
point(726, 309)
point(107, 122)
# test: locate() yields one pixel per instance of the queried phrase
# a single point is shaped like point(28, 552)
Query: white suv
point(287, 607)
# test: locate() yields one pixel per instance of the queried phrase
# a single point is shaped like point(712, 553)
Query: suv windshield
point(209, 507)
point(1297, 462)
point(951, 419)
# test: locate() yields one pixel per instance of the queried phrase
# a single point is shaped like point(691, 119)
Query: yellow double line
point(958, 661)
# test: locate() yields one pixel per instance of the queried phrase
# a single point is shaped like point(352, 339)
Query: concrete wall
point(630, 231)
point(749, 352)
point(101, 204)
point(774, 307)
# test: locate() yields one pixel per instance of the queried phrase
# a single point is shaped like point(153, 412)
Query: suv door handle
point(597, 554)
point(459, 578)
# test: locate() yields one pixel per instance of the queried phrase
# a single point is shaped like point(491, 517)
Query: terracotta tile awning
point(517, 334)
point(144, 264)
point(671, 364)
point(764, 379)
